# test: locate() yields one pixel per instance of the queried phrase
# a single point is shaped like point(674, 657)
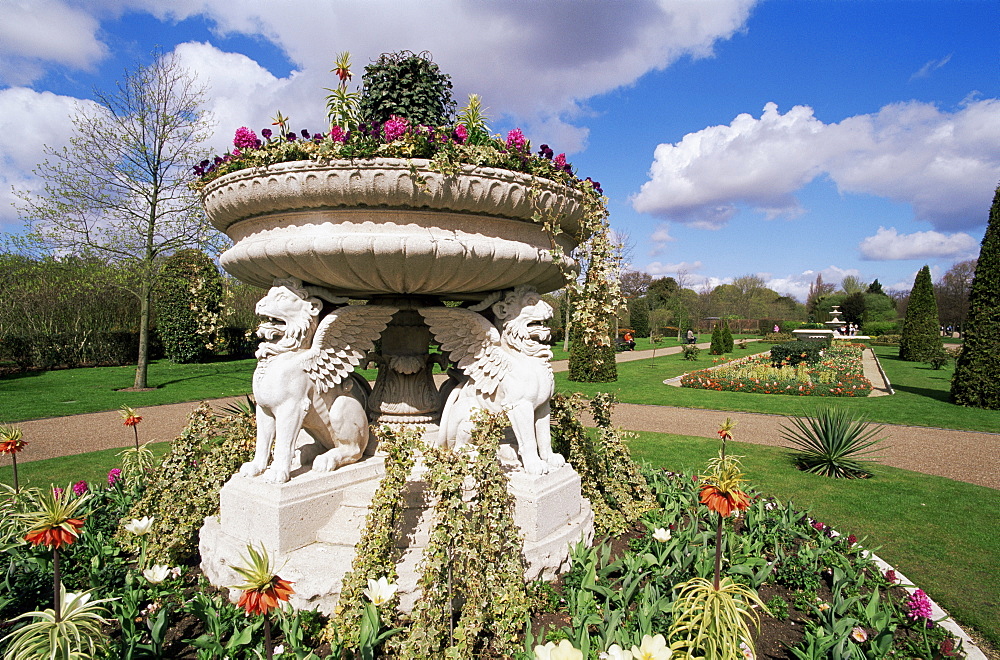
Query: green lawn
point(940, 533)
point(921, 397)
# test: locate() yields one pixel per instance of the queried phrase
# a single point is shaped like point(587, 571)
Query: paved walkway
point(960, 455)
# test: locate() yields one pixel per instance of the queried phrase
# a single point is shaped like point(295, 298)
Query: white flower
point(652, 648)
point(616, 652)
point(380, 591)
point(661, 535)
point(140, 526)
point(748, 653)
point(279, 649)
point(157, 573)
point(563, 651)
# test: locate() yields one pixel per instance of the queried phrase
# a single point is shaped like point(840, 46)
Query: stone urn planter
point(389, 226)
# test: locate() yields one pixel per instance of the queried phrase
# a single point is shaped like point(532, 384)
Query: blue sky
point(782, 138)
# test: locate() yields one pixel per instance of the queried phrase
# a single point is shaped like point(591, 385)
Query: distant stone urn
point(389, 226)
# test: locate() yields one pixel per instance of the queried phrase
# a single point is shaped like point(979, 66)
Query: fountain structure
point(405, 239)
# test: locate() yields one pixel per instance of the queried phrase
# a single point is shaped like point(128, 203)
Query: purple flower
point(337, 134)
point(461, 134)
point(80, 487)
point(545, 152)
point(114, 476)
point(291, 137)
point(394, 128)
point(919, 606)
point(305, 134)
point(245, 138)
point(266, 133)
point(818, 525)
point(516, 140)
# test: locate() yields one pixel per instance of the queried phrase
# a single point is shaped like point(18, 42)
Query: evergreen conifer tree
point(977, 375)
point(727, 338)
point(717, 347)
point(921, 334)
point(638, 312)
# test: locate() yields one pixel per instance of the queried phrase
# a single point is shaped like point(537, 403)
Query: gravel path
point(960, 455)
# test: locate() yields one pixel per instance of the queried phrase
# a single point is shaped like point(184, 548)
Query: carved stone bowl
point(379, 227)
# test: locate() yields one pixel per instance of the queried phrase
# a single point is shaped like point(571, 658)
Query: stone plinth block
point(312, 523)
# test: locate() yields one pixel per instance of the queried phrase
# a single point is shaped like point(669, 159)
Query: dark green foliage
point(718, 346)
point(727, 338)
point(879, 328)
point(832, 443)
point(977, 375)
point(853, 308)
point(921, 334)
point(875, 287)
point(590, 363)
point(71, 349)
point(793, 352)
point(638, 312)
point(188, 302)
point(185, 488)
point(406, 85)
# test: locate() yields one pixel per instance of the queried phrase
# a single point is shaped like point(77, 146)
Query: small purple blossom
point(891, 577)
point(265, 133)
point(291, 137)
point(516, 140)
point(461, 134)
point(919, 606)
point(305, 134)
point(114, 476)
point(245, 138)
point(394, 128)
point(545, 152)
point(80, 487)
point(818, 525)
point(851, 539)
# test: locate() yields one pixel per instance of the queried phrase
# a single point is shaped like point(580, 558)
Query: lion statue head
point(290, 314)
point(522, 318)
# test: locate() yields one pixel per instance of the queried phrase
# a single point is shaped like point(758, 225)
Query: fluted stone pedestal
point(311, 524)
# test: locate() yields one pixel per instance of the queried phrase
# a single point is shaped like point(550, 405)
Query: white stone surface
point(364, 228)
point(312, 524)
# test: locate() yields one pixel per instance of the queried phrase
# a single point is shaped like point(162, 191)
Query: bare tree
point(119, 190)
point(952, 293)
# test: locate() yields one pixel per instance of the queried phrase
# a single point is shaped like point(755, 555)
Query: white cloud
point(888, 244)
point(37, 33)
point(945, 165)
point(657, 269)
point(930, 67)
point(533, 63)
point(39, 119)
point(660, 237)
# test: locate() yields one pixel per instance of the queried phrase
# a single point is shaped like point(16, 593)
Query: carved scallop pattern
point(386, 182)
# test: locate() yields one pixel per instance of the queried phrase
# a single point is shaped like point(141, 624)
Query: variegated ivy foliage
point(472, 565)
point(378, 553)
point(611, 480)
point(185, 488)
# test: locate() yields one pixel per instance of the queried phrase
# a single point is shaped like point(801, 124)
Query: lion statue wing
point(473, 344)
point(342, 339)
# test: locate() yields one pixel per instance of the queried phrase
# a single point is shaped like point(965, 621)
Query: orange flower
point(263, 600)
point(56, 536)
point(723, 502)
point(129, 417)
point(11, 440)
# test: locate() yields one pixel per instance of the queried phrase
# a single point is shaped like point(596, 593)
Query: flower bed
point(838, 373)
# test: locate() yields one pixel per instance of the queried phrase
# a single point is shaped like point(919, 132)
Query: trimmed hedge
point(793, 352)
point(70, 350)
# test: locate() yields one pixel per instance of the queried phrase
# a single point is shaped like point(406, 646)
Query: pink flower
point(890, 575)
point(245, 138)
point(560, 161)
point(919, 606)
point(461, 134)
point(80, 487)
point(114, 476)
point(337, 134)
point(516, 140)
point(859, 634)
point(394, 128)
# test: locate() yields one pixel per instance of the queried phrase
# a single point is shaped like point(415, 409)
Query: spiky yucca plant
point(833, 443)
point(712, 621)
point(71, 631)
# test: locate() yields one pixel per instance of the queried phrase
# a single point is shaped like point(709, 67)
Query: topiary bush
point(727, 338)
point(406, 85)
point(794, 352)
point(921, 334)
point(638, 311)
point(188, 305)
point(977, 375)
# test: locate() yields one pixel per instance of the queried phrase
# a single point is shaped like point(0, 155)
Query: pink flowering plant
point(466, 140)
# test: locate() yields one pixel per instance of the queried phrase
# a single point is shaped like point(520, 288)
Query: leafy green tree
point(921, 334)
point(639, 317)
point(407, 85)
point(853, 307)
point(875, 287)
point(188, 306)
point(118, 192)
point(977, 375)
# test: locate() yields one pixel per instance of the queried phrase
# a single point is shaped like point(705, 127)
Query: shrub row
point(793, 352)
point(71, 349)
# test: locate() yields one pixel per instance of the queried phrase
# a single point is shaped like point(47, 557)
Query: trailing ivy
point(185, 488)
point(624, 483)
point(377, 554)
